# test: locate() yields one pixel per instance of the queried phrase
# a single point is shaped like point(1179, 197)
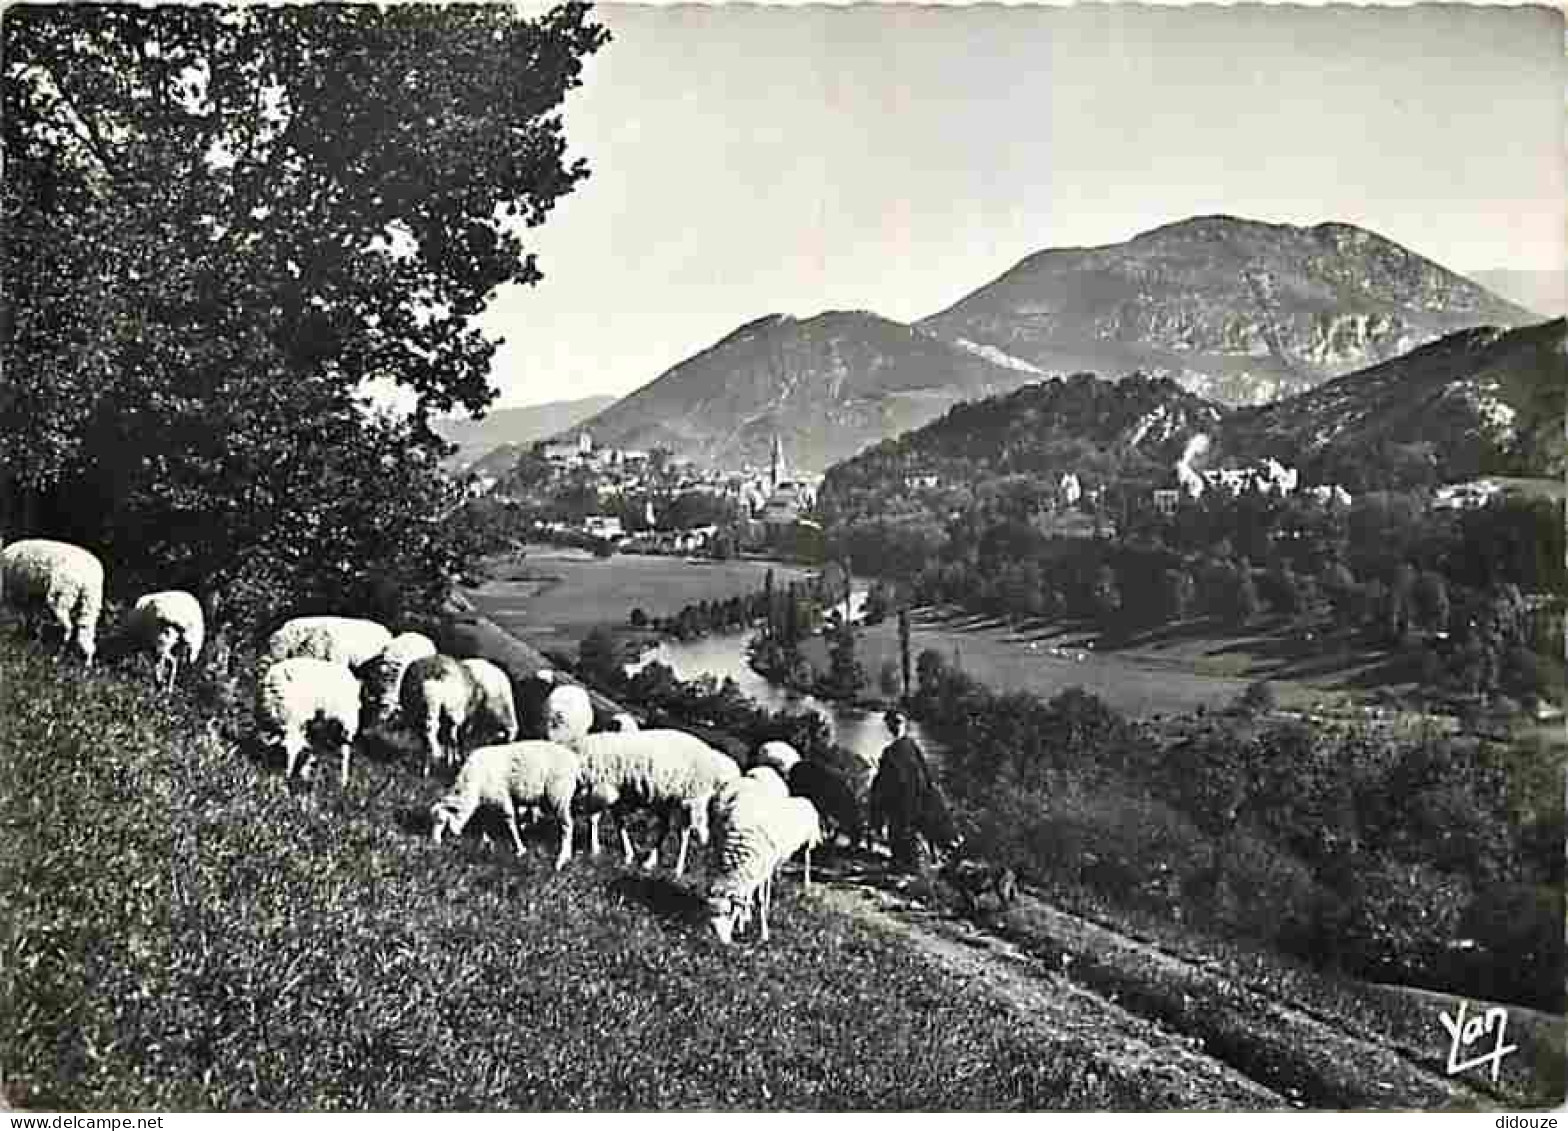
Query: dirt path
point(1210, 1041)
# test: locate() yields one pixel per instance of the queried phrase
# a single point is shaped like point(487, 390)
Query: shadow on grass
point(666, 899)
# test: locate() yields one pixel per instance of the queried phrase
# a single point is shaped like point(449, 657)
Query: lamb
point(172, 625)
point(301, 694)
point(568, 713)
point(495, 708)
point(669, 771)
point(531, 773)
point(344, 640)
point(833, 796)
point(747, 849)
point(780, 755)
point(55, 582)
point(438, 696)
point(383, 676)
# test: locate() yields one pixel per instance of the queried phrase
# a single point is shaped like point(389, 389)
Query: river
point(721, 655)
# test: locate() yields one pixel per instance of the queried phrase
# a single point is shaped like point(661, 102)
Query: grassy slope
point(183, 933)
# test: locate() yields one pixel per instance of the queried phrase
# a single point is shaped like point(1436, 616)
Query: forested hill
point(1100, 430)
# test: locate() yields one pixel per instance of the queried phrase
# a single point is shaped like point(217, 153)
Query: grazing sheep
point(568, 713)
point(55, 585)
point(383, 676)
point(301, 694)
point(833, 796)
point(759, 834)
point(494, 711)
point(668, 771)
point(780, 755)
point(171, 624)
point(343, 640)
point(535, 774)
point(438, 696)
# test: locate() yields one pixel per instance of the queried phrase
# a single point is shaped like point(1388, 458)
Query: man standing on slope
point(899, 792)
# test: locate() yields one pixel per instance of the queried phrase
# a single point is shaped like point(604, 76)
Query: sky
point(750, 160)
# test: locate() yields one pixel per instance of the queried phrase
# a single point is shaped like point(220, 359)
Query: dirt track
point(1212, 1042)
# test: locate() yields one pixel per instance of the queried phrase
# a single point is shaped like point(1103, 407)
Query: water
point(724, 655)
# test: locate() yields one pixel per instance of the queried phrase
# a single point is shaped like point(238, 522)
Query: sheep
point(780, 755)
point(55, 582)
point(833, 796)
point(171, 624)
point(495, 708)
point(669, 771)
point(530, 773)
point(303, 693)
point(383, 676)
point(438, 695)
point(568, 713)
point(343, 640)
point(746, 851)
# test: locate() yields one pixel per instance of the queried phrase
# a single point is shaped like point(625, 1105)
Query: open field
point(182, 932)
point(313, 951)
point(562, 593)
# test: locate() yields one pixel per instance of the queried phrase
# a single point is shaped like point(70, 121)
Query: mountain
point(827, 386)
point(1103, 430)
point(1545, 292)
point(1236, 310)
point(517, 427)
point(1480, 401)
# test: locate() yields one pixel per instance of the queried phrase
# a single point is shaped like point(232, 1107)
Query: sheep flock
point(324, 684)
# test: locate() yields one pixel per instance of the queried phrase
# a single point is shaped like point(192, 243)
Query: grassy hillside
point(183, 932)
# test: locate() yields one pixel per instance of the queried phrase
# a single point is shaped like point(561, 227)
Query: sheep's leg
point(511, 827)
point(680, 857)
point(295, 749)
point(432, 742)
point(766, 899)
point(662, 825)
point(566, 843)
point(808, 867)
point(593, 832)
point(343, 765)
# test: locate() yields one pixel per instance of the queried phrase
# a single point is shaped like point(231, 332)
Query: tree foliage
point(222, 224)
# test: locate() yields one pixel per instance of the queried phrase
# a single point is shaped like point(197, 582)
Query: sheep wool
point(57, 584)
point(344, 640)
point(301, 693)
point(747, 850)
point(780, 755)
point(495, 709)
point(532, 773)
point(383, 676)
point(568, 713)
point(668, 771)
point(171, 625)
point(438, 695)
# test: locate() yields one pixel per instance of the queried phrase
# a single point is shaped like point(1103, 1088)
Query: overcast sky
point(749, 160)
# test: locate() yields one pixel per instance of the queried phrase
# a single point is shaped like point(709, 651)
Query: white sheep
point(495, 710)
point(383, 676)
point(535, 774)
point(438, 696)
point(301, 694)
point(759, 833)
point(58, 584)
point(568, 713)
point(344, 640)
point(170, 624)
point(777, 754)
point(668, 771)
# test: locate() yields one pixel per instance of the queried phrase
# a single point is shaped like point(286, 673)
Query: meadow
point(184, 932)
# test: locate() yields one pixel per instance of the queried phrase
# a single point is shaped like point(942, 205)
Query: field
point(183, 932)
point(557, 595)
point(1167, 673)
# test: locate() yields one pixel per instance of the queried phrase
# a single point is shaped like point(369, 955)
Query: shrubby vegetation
point(1351, 847)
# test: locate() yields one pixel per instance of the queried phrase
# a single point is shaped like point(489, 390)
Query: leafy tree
point(903, 649)
point(597, 661)
point(222, 223)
